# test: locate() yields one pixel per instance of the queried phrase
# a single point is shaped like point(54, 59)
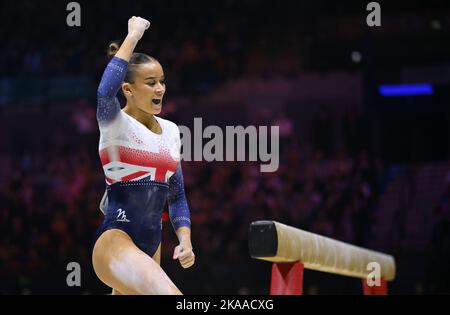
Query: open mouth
point(156, 101)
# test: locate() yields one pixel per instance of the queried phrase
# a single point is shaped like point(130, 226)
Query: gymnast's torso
point(129, 151)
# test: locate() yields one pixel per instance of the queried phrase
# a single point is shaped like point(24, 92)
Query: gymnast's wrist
point(134, 37)
point(185, 240)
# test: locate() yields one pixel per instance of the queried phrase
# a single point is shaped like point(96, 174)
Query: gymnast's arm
point(108, 106)
point(180, 217)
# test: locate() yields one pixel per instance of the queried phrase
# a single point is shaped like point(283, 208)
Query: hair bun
point(113, 48)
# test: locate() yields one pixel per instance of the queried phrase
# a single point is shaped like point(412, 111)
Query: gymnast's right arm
point(108, 106)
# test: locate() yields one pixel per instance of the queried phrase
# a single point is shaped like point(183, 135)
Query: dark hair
point(135, 60)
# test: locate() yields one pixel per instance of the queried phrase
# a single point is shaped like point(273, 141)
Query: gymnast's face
point(148, 88)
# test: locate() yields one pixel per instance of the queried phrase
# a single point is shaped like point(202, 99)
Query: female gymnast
point(140, 154)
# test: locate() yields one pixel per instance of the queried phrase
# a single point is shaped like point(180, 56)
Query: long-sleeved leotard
point(142, 169)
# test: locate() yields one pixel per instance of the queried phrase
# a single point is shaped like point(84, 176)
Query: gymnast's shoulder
point(168, 125)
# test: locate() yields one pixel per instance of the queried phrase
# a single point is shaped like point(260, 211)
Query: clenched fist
point(184, 254)
point(137, 26)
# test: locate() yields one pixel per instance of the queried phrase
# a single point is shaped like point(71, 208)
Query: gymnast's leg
point(121, 265)
point(156, 257)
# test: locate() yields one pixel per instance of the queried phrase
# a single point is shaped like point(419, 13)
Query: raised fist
point(137, 26)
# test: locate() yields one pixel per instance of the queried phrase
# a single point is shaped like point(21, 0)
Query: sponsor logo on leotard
point(121, 216)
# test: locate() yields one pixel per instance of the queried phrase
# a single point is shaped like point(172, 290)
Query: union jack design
point(137, 153)
point(135, 164)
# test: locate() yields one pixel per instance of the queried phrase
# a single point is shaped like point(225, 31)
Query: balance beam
point(276, 242)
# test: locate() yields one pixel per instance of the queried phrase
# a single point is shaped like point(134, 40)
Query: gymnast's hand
point(137, 26)
point(184, 254)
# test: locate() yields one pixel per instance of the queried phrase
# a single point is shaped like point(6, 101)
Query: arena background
point(355, 166)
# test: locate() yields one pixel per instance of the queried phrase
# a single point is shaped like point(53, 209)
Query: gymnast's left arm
point(181, 220)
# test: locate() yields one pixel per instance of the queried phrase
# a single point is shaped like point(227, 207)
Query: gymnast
point(140, 154)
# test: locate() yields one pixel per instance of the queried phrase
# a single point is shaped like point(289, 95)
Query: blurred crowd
point(207, 44)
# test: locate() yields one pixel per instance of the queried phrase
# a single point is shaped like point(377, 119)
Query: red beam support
point(287, 279)
point(375, 290)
